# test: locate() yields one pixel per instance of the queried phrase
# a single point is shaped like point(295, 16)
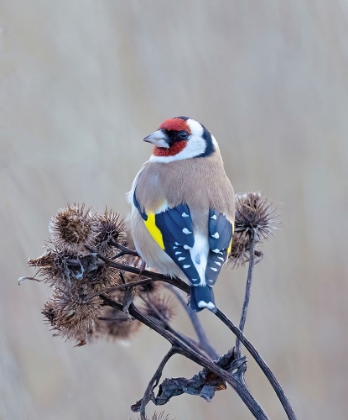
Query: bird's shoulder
point(199, 182)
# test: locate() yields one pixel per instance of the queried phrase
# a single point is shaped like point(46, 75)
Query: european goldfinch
point(183, 207)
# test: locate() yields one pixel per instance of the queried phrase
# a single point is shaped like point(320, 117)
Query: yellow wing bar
point(229, 249)
point(150, 223)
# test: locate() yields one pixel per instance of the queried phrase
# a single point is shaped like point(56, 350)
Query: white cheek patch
point(195, 146)
point(195, 127)
point(215, 143)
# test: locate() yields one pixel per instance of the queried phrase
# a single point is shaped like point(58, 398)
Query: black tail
point(202, 297)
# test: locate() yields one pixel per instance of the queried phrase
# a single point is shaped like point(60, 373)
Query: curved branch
point(262, 364)
point(184, 350)
point(203, 341)
point(253, 352)
point(153, 383)
point(175, 281)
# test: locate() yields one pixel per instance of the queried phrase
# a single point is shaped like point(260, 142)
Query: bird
point(183, 208)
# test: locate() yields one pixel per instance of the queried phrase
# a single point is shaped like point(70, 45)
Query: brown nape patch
point(172, 151)
point(175, 124)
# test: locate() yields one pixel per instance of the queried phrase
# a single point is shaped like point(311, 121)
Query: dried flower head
point(160, 308)
point(111, 229)
point(255, 220)
point(240, 253)
point(73, 314)
point(72, 228)
point(116, 325)
point(255, 213)
point(65, 269)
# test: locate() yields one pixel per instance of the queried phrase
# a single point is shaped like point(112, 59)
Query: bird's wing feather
point(172, 230)
point(220, 242)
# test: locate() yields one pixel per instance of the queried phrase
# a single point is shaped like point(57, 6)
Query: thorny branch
point(97, 291)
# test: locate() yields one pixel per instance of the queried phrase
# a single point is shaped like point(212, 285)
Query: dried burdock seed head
point(111, 228)
point(256, 218)
point(116, 325)
point(52, 267)
point(68, 270)
point(73, 314)
point(240, 253)
point(49, 312)
point(73, 228)
point(160, 308)
point(255, 213)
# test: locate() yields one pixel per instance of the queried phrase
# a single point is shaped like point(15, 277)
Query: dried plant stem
point(233, 379)
point(154, 382)
point(188, 341)
point(247, 292)
point(251, 349)
point(151, 274)
point(262, 364)
point(184, 287)
point(203, 341)
point(124, 249)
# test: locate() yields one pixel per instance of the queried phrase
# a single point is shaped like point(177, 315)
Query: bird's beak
point(159, 138)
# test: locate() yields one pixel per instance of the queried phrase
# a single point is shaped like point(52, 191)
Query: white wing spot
point(221, 258)
point(214, 217)
point(216, 235)
point(213, 268)
point(187, 266)
point(202, 304)
point(181, 258)
point(186, 231)
point(218, 263)
point(194, 280)
point(187, 247)
point(176, 243)
point(217, 251)
point(178, 253)
point(185, 215)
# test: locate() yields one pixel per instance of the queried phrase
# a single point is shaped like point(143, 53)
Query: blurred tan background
point(81, 83)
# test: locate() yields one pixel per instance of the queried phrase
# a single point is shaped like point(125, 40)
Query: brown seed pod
point(73, 228)
point(240, 253)
point(111, 229)
point(66, 269)
point(73, 314)
point(256, 213)
point(255, 218)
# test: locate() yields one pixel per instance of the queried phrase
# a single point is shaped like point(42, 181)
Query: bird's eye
point(183, 134)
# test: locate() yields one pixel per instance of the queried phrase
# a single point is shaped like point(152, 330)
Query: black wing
point(176, 227)
point(220, 237)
